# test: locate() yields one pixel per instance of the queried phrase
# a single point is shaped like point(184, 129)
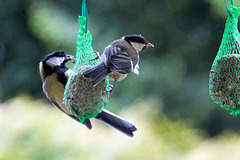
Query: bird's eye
point(60, 54)
point(141, 41)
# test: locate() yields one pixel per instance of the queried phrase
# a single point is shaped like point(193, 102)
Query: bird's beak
point(149, 45)
point(69, 57)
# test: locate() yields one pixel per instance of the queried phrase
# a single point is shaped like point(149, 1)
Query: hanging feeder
point(80, 97)
point(224, 78)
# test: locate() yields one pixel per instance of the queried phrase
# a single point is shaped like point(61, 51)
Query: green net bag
point(80, 97)
point(224, 79)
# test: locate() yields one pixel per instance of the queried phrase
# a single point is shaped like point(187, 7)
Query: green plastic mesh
point(224, 79)
point(80, 97)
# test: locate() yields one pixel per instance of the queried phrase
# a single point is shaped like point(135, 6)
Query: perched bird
point(54, 75)
point(119, 58)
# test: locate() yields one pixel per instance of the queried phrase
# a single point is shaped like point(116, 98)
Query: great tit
point(119, 58)
point(54, 75)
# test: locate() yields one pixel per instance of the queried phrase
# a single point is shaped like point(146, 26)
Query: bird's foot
point(98, 56)
point(110, 90)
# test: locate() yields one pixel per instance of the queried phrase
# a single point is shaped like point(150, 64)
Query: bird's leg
point(98, 56)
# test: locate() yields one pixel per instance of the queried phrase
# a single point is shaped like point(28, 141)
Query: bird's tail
point(116, 122)
point(97, 73)
point(87, 122)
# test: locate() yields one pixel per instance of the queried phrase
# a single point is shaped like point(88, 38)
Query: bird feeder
point(224, 78)
point(80, 97)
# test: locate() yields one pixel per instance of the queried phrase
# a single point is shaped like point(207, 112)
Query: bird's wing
point(57, 101)
point(121, 62)
point(108, 52)
point(116, 59)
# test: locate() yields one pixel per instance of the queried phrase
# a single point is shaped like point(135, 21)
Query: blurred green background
point(169, 101)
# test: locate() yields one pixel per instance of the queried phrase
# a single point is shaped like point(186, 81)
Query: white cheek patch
point(137, 46)
point(55, 61)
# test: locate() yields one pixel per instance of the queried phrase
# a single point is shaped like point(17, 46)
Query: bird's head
point(56, 58)
point(137, 41)
point(52, 61)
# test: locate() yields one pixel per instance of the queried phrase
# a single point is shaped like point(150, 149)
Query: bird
point(54, 75)
point(119, 58)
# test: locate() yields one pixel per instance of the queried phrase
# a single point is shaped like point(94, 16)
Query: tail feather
point(87, 122)
point(116, 122)
point(97, 73)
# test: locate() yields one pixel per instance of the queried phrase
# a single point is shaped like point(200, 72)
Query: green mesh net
point(224, 79)
point(80, 97)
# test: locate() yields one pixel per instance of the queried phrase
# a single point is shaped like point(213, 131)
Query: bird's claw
point(98, 56)
point(110, 90)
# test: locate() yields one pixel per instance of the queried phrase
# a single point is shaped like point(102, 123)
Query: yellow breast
point(116, 76)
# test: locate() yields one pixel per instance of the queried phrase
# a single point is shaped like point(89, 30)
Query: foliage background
point(169, 101)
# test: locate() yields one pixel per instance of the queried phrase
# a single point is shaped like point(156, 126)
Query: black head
point(135, 38)
point(137, 41)
point(53, 62)
point(56, 58)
